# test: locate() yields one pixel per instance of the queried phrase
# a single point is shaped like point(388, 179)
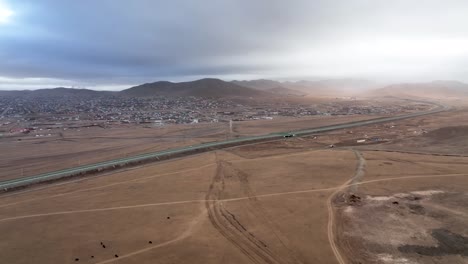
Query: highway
point(111, 164)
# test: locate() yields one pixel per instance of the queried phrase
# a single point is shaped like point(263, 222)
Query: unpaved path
point(110, 185)
point(230, 199)
point(360, 171)
point(352, 183)
point(192, 226)
point(232, 227)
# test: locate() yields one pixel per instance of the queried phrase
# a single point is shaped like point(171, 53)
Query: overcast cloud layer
point(117, 43)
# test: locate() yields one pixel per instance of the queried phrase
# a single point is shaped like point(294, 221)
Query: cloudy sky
point(113, 44)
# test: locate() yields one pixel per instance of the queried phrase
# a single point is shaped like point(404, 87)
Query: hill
point(201, 88)
point(435, 89)
point(56, 92)
point(328, 87)
point(148, 89)
point(332, 87)
point(270, 86)
point(260, 84)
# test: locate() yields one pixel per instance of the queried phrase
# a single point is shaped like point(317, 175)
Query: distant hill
point(270, 86)
point(332, 87)
point(266, 89)
point(60, 91)
point(201, 88)
point(329, 87)
point(149, 89)
point(260, 84)
point(435, 89)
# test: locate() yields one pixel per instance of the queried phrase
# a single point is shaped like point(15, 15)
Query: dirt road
point(352, 184)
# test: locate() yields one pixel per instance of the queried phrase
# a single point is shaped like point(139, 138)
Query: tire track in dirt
point(229, 227)
point(438, 166)
point(352, 184)
point(192, 226)
point(416, 152)
point(422, 166)
point(99, 210)
point(228, 199)
point(360, 171)
point(95, 176)
point(255, 208)
point(276, 156)
point(226, 222)
point(110, 185)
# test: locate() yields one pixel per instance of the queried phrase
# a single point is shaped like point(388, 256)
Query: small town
point(22, 114)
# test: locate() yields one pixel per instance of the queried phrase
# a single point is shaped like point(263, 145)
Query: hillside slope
point(332, 87)
point(200, 88)
point(56, 92)
point(270, 86)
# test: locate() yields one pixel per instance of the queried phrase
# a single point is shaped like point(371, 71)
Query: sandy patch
point(427, 193)
point(379, 198)
point(387, 258)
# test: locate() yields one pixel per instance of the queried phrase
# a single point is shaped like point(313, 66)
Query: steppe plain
point(399, 197)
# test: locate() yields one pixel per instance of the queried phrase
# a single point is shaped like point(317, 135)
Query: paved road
point(5, 185)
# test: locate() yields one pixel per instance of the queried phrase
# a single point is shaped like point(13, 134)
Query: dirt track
point(352, 184)
point(227, 224)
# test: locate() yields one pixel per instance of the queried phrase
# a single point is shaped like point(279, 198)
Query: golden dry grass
point(273, 198)
point(264, 203)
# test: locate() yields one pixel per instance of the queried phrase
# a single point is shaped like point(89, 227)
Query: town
point(20, 114)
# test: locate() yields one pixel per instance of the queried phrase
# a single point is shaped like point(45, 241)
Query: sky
point(114, 44)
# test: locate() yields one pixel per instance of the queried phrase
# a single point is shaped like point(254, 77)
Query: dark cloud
point(94, 41)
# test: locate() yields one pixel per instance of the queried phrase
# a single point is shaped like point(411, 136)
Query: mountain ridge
point(263, 88)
